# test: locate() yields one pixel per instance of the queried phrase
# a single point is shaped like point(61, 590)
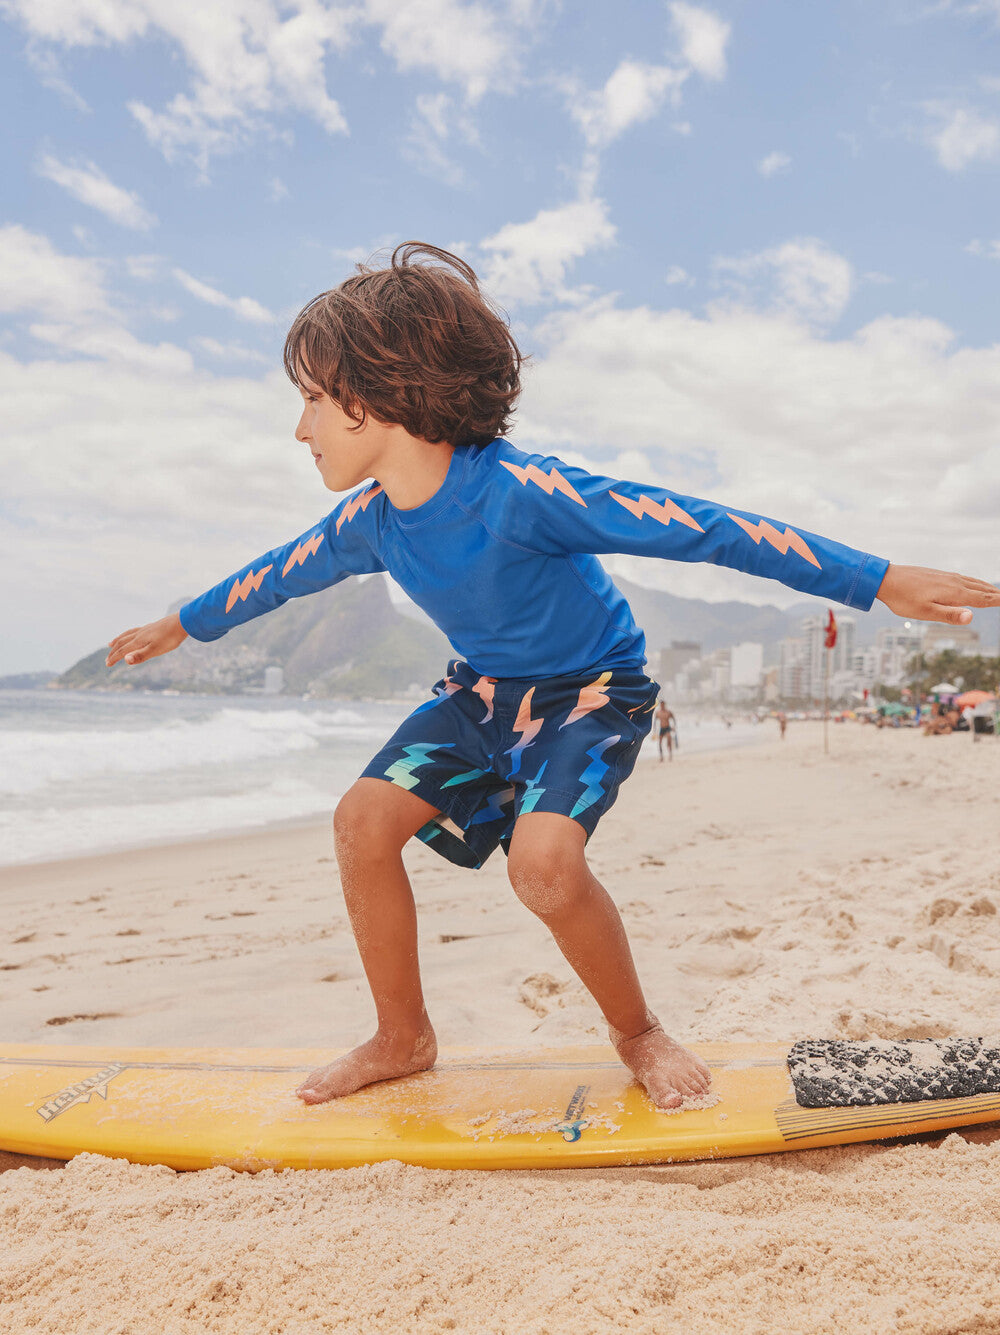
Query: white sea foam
point(32, 760)
point(48, 832)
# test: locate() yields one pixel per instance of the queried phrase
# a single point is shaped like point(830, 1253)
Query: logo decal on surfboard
point(572, 1128)
point(80, 1092)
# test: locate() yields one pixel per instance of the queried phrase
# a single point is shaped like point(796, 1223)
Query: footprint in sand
point(861, 1024)
point(539, 987)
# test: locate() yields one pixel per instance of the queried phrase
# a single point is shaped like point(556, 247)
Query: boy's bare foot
point(668, 1073)
point(384, 1057)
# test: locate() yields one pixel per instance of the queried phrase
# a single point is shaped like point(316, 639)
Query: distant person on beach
point(666, 726)
point(408, 378)
point(782, 725)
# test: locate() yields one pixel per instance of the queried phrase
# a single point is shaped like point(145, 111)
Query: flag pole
point(826, 704)
point(829, 642)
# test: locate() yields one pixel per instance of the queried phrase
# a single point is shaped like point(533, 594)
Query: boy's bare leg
point(549, 873)
point(372, 823)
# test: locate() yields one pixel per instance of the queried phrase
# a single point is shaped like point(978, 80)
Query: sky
point(752, 247)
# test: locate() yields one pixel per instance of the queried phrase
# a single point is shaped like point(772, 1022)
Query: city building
point(937, 637)
point(673, 660)
point(746, 666)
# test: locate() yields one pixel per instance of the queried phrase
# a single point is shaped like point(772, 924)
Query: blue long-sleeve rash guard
point(503, 558)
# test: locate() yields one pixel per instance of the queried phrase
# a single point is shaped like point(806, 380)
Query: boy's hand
point(934, 595)
point(142, 642)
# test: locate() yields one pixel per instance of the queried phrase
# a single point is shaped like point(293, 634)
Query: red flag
point(831, 630)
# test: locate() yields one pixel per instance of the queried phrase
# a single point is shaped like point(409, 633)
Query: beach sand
point(770, 893)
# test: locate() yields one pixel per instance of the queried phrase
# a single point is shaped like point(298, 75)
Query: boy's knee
point(364, 824)
point(548, 880)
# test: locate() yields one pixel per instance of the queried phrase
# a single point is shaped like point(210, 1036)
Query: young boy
point(408, 377)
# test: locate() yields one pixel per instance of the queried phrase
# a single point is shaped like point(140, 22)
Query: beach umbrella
point(895, 709)
point(944, 688)
point(973, 698)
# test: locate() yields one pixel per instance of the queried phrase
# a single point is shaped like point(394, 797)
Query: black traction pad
point(835, 1073)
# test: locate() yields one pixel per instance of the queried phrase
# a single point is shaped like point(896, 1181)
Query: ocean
point(86, 772)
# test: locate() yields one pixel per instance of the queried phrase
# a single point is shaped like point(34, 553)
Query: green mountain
point(347, 641)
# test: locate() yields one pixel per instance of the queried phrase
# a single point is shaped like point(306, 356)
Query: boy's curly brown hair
point(416, 344)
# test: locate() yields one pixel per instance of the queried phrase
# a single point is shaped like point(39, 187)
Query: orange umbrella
point(973, 698)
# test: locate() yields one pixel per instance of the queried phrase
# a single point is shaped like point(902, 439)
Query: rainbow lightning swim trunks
point(485, 750)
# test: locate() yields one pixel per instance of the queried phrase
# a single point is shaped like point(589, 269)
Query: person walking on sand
point(782, 724)
point(666, 725)
point(408, 378)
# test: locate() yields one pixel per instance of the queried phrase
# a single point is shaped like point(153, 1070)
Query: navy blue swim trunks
point(484, 750)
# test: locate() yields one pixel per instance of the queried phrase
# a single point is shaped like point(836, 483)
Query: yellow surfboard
point(565, 1108)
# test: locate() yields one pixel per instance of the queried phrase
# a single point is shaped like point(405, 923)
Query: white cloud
point(885, 440)
point(245, 307)
point(991, 249)
point(703, 36)
point(461, 43)
point(528, 261)
point(437, 122)
point(676, 275)
point(962, 136)
point(145, 268)
point(35, 277)
point(802, 278)
point(633, 93)
point(116, 452)
point(91, 186)
point(774, 164)
point(230, 352)
point(249, 59)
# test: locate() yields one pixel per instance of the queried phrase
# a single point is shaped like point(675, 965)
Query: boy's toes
point(667, 1099)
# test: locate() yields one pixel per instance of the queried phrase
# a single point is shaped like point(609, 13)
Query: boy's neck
point(412, 470)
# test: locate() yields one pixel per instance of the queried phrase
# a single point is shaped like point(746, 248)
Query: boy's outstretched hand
point(142, 642)
point(934, 595)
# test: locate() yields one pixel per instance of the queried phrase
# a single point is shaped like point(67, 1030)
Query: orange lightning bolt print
point(242, 589)
point(527, 726)
point(664, 513)
point(594, 696)
point(553, 481)
point(303, 550)
point(357, 503)
point(484, 689)
point(781, 541)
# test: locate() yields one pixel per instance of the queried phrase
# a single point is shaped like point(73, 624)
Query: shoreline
point(723, 742)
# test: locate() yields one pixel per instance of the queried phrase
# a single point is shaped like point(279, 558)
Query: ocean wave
point(31, 760)
point(44, 833)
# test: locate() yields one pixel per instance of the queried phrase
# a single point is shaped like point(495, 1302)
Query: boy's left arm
point(569, 510)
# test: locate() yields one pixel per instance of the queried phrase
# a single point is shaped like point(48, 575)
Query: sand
point(770, 893)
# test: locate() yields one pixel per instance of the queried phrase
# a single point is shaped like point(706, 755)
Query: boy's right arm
point(337, 547)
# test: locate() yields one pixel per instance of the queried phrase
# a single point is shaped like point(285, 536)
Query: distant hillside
point(346, 641)
point(26, 681)
point(352, 641)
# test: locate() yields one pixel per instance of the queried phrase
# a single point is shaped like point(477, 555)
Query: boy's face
point(344, 452)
